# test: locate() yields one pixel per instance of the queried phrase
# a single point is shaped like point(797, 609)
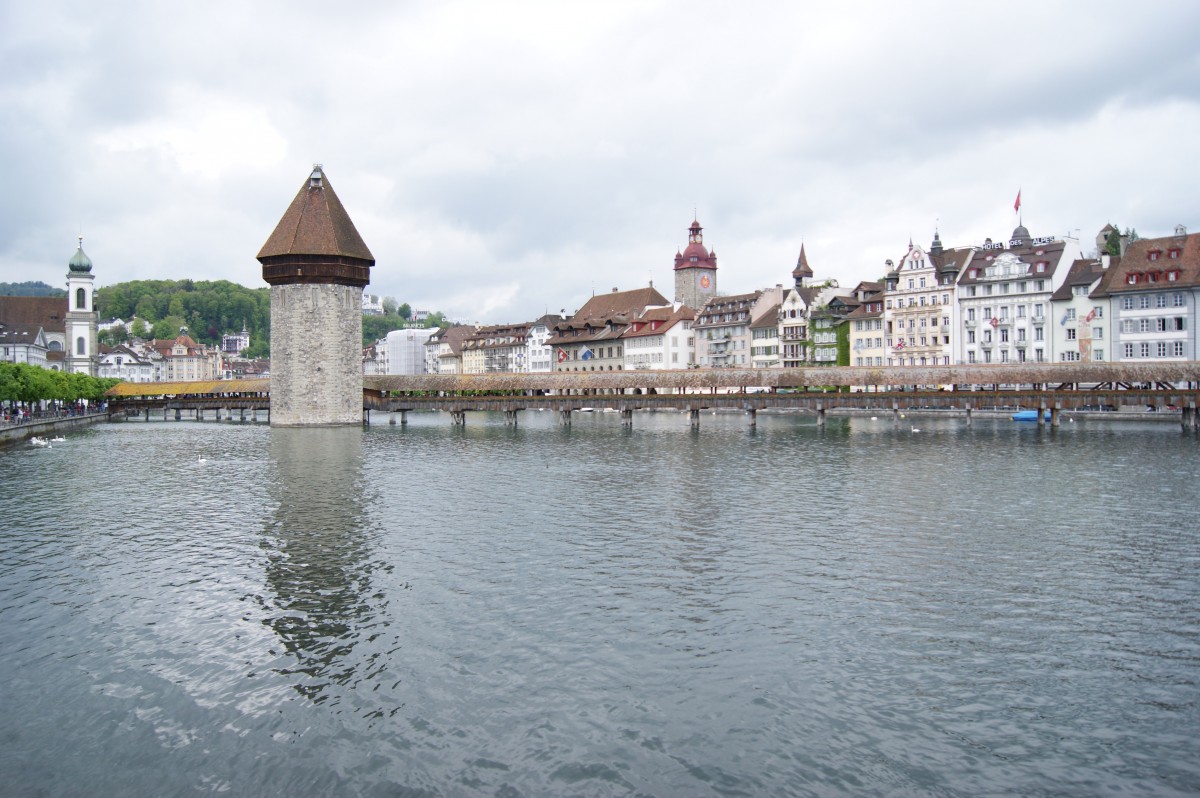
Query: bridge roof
point(132, 389)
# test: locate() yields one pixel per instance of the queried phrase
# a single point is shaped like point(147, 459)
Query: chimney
point(1105, 260)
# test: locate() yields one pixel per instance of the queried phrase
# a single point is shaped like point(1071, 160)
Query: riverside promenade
point(14, 432)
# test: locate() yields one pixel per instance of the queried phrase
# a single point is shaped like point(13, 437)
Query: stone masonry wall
point(316, 355)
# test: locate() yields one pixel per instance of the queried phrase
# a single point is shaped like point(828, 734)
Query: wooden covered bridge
point(1050, 386)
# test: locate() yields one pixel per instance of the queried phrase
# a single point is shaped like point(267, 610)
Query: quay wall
point(11, 434)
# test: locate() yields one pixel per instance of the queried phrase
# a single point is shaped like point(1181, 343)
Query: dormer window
point(1172, 275)
point(1173, 253)
point(974, 273)
point(1154, 253)
point(1040, 266)
point(1133, 278)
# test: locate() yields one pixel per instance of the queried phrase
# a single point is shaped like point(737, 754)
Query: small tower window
point(80, 299)
point(80, 346)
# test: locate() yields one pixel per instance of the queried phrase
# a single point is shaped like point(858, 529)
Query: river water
point(428, 610)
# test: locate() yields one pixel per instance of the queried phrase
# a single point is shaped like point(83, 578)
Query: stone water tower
point(317, 266)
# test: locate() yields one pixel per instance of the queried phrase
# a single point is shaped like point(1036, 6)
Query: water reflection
point(318, 555)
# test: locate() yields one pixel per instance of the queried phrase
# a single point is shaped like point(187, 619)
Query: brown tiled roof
point(769, 317)
point(49, 312)
point(316, 224)
point(802, 268)
point(1084, 271)
point(1051, 254)
point(667, 316)
point(454, 336)
point(631, 303)
point(1136, 261)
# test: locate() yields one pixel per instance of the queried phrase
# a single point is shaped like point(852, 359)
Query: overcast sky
point(505, 159)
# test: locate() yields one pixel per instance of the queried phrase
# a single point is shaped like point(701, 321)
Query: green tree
point(139, 329)
point(168, 328)
point(1112, 244)
point(389, 306)
point(405, 311)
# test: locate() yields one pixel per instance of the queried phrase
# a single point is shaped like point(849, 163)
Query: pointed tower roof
point(315, 241)
point(802, 268)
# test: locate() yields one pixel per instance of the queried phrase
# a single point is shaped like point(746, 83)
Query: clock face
point(705, 282)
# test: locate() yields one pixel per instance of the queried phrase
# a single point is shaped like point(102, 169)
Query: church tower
point(317, 266)
point(695, 271)
point(81, 321)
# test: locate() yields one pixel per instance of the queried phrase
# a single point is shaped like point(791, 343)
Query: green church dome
point(80, 262)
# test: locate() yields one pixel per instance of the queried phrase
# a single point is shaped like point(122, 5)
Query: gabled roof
point(1137, 264)
point(1084, 271)
point(50, 312)
point(769, 318)
point(666, 318)
point(631, 303)
point(316, 224)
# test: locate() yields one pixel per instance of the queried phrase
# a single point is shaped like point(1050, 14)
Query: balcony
point(970, 324)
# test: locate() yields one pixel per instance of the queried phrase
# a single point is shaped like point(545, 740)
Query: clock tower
point(695, 271)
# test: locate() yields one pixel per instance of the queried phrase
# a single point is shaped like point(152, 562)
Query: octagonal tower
point(317, 266)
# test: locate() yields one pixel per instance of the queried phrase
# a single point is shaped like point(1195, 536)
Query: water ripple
point(429, 610)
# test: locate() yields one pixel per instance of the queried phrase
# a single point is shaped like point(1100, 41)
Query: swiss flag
point(1017, 204)
point(562, 355)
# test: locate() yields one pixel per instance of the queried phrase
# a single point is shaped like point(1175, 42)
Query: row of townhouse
point(162, 360)
point(1033, 299)
point(1030, 299)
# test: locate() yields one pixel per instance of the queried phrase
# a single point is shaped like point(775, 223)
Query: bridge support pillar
point(178, 414)
point(392, 419)
point(626, 417)
point(403, 418)
point(968, 409)
point(147, 414)
point(218, 414)
point(242, 414)
point(694, 417)
point(821, 415)
point(752, 414)
point(1055, 416)
point(1041, 417)
point(564, 418)
point(896, 413)
point(510, 418)
point(458, 418)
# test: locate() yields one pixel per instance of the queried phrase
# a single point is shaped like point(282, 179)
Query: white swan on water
point(200, 459)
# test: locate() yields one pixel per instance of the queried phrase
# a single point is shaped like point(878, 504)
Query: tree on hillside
point(389, 306)
point(404, 311)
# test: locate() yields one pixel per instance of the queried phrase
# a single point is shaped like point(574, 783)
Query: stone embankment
point(13, 432)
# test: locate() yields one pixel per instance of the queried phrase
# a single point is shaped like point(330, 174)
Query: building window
point(1071, 334)
point(1128, 350)
point(80, 344)
point(80, 299)
point(1177, 349)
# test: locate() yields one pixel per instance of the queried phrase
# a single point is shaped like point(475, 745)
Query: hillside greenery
point(212, 308)
point(30, 288)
